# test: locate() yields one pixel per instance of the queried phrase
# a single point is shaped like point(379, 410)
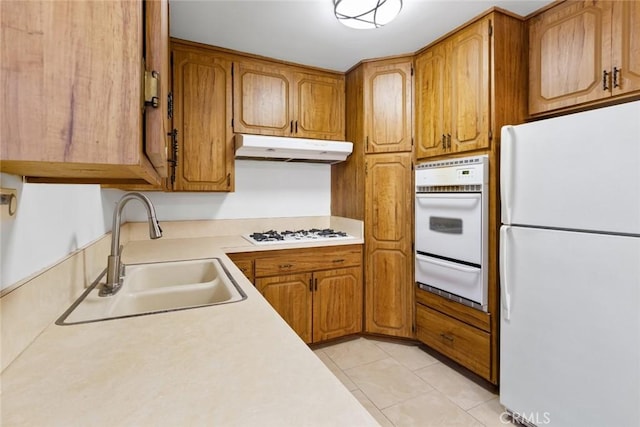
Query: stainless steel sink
point(155, 288)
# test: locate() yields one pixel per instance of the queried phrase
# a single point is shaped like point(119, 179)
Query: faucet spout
point(115, 268)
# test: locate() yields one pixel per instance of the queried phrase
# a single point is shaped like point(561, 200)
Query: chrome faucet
point(115, 268)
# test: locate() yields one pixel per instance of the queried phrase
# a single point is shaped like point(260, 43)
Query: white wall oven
point(451, 221)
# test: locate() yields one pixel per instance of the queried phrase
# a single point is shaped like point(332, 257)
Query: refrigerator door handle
point(506, 176)
point(504, 283)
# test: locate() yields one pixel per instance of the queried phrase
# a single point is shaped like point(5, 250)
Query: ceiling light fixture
point(365, 14)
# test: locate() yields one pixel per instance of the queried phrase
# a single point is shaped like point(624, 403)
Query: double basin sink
point(157, 287)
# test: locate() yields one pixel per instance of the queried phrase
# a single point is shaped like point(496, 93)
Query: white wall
point(54, 220)
point(263, 190)
point(51, 222)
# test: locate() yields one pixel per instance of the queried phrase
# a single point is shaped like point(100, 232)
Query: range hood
point(259, 147)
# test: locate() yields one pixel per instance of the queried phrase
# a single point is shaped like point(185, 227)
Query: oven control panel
point(456, 172)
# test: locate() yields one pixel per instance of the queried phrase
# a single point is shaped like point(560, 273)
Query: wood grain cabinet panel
point(431, 97)
point(452, 93)
point(466, 345)
point(281, 100)
point(202, 118)
point(72, 90)
point(319, 103)
point(337, 303)
point(318, 291)
point(388, 231)
point(290, 296)
point(387, 100)
point(263, 99)
point(583, 52)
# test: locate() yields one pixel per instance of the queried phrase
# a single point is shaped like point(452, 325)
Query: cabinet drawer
point(461, 342)
point(308, 260)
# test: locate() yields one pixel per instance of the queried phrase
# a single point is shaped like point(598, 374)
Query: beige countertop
point(237, 364)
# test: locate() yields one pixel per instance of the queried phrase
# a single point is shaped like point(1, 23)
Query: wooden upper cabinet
point(72, 90)
point(262, 99)
point(583, 51)
point(319, 106)
point(387, 106)
point(626, 46)
point(202, 118)
point(431, 95)
point(469, 88)
point(452, 93)
point(158, 123)
point(280, 100)
point(388, 231)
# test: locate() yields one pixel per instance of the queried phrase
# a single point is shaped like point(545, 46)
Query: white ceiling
point(307, 32)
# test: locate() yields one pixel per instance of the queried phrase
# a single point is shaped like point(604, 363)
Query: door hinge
point(412, 141)
point(170, 105)
point(152, 88)
point(490, 135)
point(366, 168)
point(232, 123)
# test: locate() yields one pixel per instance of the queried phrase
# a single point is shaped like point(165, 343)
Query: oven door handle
point(467, 201)
point(448, 264)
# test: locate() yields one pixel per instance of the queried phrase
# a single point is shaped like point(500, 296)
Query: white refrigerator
point(570, 269)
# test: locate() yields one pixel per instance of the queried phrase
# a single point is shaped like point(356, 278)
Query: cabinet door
point(431, 98)
point(157, 121)
point(569, 50)
point(469, 74)
point(388, 233)
point(319, 106)
point(387, 99)
point(262, 99)
point(291, 297)
point(202, 116)
point(337, 303)
point(71, 90)
point(626, 47)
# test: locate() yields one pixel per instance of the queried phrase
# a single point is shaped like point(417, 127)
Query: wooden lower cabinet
point(337, 303)
point(466, 344)
point(291, 297)
point(317, 291)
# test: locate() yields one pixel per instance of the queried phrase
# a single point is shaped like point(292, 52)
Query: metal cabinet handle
point(616, 71)
point(296, 126)
point(291, 127)
point(315, 284)
point(338, 260)
point(285, 266)
point(444, 142)
point(449, 141)
point(605, 80)
point(446, 337)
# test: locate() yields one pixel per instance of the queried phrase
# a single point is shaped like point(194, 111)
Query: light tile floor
point(402, 385)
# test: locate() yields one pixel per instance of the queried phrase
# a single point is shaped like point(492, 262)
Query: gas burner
point(289, 236)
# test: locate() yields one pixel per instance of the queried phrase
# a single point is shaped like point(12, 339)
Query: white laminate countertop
point(237, 364)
